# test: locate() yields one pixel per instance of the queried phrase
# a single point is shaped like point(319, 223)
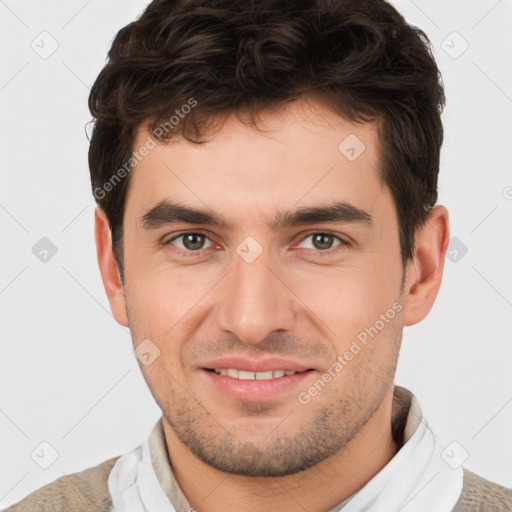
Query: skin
point(291, 301)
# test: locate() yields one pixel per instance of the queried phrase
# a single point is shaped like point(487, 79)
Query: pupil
point(192, 245)
point(319, 237)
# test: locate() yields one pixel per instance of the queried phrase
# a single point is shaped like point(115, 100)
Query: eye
point(323, 242)
point(191, 242)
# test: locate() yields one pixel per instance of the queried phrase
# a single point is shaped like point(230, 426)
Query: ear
point(425, 271)
point(108, 267)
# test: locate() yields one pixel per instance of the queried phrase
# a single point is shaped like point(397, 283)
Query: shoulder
point(85, 491)
point(481, 495)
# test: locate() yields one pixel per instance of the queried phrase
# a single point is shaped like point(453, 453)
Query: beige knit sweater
point(87, 491)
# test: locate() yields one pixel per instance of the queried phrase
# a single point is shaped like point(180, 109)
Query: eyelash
point(328, 252)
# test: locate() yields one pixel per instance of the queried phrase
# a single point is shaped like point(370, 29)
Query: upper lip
point(255, 365)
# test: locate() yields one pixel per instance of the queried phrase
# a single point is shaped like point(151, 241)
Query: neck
point(316, 489)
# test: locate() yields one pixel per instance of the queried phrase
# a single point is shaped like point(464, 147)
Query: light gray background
point(69, 376)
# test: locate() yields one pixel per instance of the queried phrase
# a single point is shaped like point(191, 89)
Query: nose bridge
point(255, 301)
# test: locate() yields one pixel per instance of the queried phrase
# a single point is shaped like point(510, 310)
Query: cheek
point(357, 304)
point(349, 298)
point(166, 307)
point(162, 296)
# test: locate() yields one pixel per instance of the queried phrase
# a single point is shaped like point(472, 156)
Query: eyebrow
point(168, 212)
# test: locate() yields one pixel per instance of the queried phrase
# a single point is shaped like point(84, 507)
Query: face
point(266, 281)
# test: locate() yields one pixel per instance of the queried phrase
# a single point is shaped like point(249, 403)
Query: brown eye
point(322, 242)
point(190, 242)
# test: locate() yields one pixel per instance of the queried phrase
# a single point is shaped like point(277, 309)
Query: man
point(266, 179)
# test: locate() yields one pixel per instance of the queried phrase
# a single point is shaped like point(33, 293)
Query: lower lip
point(256, 390)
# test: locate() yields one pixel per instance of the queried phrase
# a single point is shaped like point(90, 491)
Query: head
point(307, 142)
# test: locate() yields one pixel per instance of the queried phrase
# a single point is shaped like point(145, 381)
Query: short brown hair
point(231, 55)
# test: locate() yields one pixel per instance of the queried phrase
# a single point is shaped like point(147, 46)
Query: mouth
point(256, 385)
point(247, 375)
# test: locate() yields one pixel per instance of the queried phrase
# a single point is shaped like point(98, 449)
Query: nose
point(256, 300)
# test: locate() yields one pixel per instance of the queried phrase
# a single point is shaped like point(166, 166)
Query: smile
point(252, 386)
point(245, 375)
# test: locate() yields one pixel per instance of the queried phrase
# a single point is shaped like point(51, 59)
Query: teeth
point(244, 375)
point(264, 375)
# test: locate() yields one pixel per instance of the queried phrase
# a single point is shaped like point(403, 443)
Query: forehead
point(299, 154)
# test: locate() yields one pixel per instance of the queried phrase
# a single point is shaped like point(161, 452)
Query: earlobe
point(424, 273)
point(109, 268)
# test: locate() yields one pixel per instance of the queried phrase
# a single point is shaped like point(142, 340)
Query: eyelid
point(343, 242)
point(303, 236)
point(185, 233)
